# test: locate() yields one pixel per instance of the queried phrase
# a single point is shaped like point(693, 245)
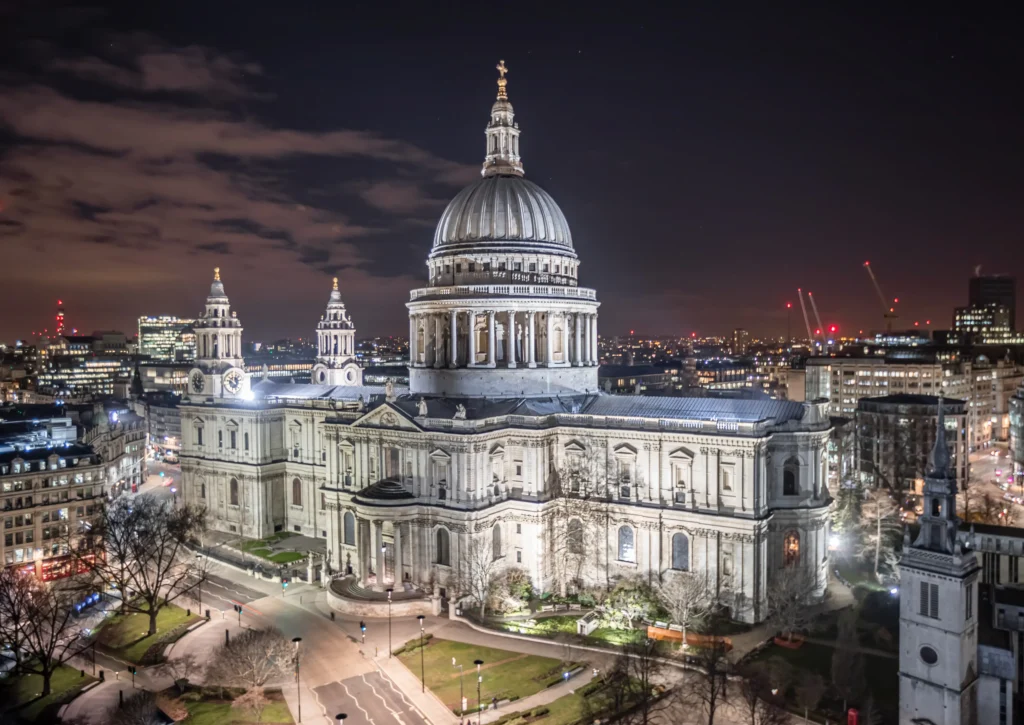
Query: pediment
point(498, 450)
point(624, 449)
point(385, 416)
point(575, 447)
point(681, 454)
point(440, 454)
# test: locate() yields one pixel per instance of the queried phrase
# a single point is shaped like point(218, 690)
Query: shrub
point(540, 711)
point(513, 698)
point(587, 600)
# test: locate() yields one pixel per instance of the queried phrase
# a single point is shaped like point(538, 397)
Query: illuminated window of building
point(791, 548)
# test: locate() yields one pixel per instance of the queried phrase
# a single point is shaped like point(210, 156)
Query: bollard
point(103, 676)
point(332, 616)
point(120, 699)
point(227, 637)
point(207, 613)
point(81, 673)
point(188, 612)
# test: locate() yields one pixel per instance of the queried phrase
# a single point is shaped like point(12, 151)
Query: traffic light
point(362, 625)
point(284, 582)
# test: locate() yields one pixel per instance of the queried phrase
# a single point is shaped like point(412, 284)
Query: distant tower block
point(60, 317)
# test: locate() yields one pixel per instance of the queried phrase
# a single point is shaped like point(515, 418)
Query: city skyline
point(231, 153)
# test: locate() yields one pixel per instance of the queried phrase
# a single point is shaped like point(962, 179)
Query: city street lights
point(390, 591)
point(423, 679)
point(479, 680)
point(298, 685)
point(462, 695)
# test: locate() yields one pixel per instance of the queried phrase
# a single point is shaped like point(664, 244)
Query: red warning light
point(817, 332)
point(833, 328)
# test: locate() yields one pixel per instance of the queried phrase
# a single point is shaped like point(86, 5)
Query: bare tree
point(754, 689)
point(571, 515)
point(708, 688)
point(809, 691)
point(847, 662)
point(252, 659)
point(139, 708)
point(635, 700)
point(181, 669)
point(883, 535)
point(36, 619)
point(788, 600)
point(253, 701)
point(476, 571)
point(145, 553)
point(686, 596)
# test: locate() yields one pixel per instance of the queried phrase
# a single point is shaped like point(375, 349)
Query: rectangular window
point(519, 528)
point(220, 439)
point(234, 440)
point(472, 266)
point(969, 604)
point(929, 600)
point(487, 266)
point(517, 266)
point(519, 557)
point(533, 266)
point(458, 267)
point(199, 436)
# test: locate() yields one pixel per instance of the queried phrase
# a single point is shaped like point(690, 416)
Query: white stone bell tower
point(220, 369)
point(336, 346)
point(938, 607)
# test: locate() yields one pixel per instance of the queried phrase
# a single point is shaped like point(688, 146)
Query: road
point(990, 468)
point(162, 486)
point(369, 699)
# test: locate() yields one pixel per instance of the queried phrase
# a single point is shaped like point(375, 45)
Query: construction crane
point(888, 311)
point(807, 323)
point(817, 317)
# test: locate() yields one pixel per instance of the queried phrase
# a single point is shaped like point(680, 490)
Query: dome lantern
point(502, 132)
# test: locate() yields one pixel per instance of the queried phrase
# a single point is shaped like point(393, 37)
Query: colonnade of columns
point(336, 342)
point(469, 338)
point(372, 552)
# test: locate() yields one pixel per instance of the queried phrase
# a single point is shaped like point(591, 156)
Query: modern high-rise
point(998, 290)
point(167, 338)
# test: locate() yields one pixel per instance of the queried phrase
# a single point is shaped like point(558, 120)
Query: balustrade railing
point(505, 290)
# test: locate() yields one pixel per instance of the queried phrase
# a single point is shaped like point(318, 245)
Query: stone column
point(490, 339)
point(577, 352)
point(472, 339)
point(454, 341)
point(378, 557)
point(565, 338)
point(531, 341)
point(364, 544)
point(438, 341)
point(594, 356)
point(549, 338)
point(510, 338)
point(399, 576)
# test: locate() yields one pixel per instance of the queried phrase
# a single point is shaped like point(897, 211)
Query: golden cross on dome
point(216, 274)
point(335, 284)
point(502, 82)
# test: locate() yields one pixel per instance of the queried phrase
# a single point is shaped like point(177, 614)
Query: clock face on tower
point(233, 381)
point(198, 383)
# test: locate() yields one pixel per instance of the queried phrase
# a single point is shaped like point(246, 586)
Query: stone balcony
point(504, 290)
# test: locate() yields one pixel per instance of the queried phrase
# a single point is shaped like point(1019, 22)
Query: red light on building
point(833, 328)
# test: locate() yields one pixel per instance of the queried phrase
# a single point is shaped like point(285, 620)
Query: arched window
point(296, 492)
point(680, 552)
point(444, 556)
point(233, 492)
point(790, 476)
point(791, 548)
point(198, 429)
point(627, 552)
point(350, 529)
point(496, 542)
point(574, 536)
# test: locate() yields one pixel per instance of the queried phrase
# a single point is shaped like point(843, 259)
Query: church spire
point(939, 461)
point(502, 132)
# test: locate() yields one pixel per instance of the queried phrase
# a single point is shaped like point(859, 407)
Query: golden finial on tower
point(216, 274)
point(335, 284)
point(502, 82)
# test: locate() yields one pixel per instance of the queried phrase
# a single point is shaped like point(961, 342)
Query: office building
point(167, 339)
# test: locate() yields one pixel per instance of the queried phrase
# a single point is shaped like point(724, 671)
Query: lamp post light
point(479, 680)
point(298, 685)
point(340, 717)
point(390, 591)
point(423, 677)
point(462, 695)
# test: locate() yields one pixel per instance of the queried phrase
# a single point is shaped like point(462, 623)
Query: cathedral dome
point(500, 209)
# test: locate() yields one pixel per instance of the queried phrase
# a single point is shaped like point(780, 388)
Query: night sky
point(709, 161)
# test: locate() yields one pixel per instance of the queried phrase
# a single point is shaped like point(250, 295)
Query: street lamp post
point(479, 680)
point(423, 677)
point(340, 717)
point(390, 591)
point(298, 681)
point(462, 695)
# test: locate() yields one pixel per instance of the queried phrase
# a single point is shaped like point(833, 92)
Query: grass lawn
point(881, 672)
point(216, 713)
point(128, 636)
point(262, 548)
point(64, 685)
point(505, 674)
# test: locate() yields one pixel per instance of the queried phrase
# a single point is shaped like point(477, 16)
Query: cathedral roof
point(498, 210)
point(385, 491)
